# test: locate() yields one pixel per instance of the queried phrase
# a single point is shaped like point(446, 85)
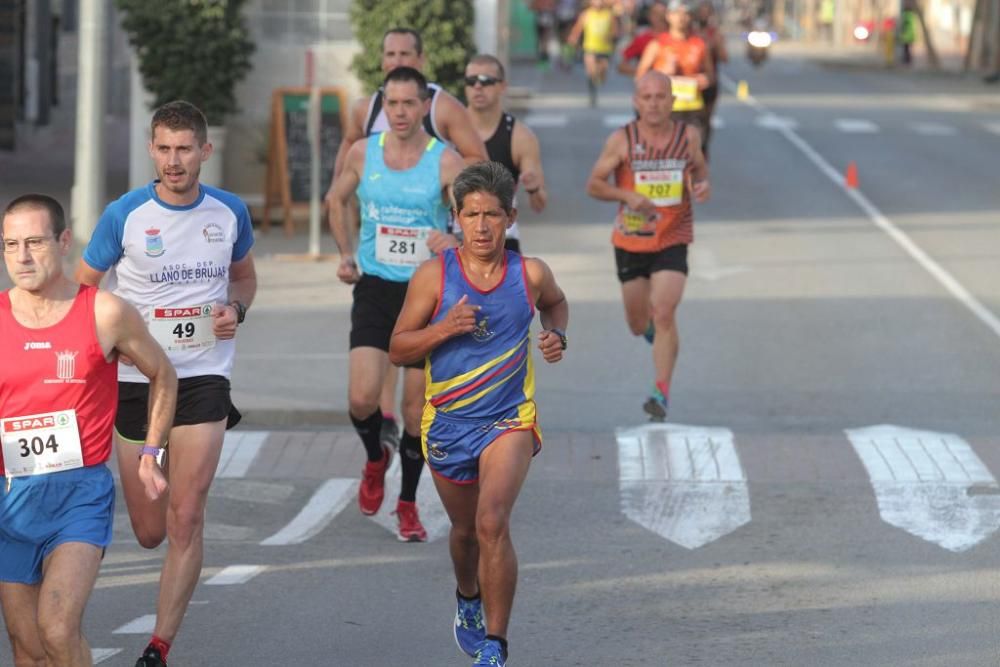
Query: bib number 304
point(43, 443)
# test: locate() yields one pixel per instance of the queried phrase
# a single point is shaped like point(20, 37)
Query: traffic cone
point(742, 90)
point(851, 176)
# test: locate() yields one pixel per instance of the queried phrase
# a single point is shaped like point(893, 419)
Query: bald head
point(653, 80)
point(653, 98)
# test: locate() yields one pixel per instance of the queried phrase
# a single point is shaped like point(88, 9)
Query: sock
point(664, 388)
point(160, 645)
point(370, 429)
point(411, 458)
point(503, 644)
point(389, 416)
point(467, 599)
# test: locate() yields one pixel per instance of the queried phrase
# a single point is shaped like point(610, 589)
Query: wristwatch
point(241, 311)
point(562, 336)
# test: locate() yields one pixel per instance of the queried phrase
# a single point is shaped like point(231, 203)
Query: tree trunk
point(932, 57)
point(973, 31)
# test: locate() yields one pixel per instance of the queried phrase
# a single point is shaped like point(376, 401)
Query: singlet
point(60, 367)
point(172, 263)
point(690, 56)
point(489, 370)
point(399, 209)
point(376, 121)
point(500, 148)
point(662, 175)
point(598, 31)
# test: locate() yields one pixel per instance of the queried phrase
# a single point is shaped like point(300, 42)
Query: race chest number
point(185, 328)
point(401, 246)
point(663, 188)
point(687, 97)
point(40, 444)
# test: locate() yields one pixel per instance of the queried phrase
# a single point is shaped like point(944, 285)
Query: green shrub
point(446, 27)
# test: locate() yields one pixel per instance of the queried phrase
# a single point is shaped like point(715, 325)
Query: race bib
point(663, 188)
point(635, 223)
point(40, 444)
point(186, 328)
point(687, 97)
point(401, 246)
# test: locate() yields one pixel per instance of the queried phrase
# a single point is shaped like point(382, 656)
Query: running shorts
point(202, 399)
point(377, 304)
point(632, 265)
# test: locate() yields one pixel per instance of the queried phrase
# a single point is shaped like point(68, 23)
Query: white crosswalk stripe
point(993, 127)
point(546, 120)
point(99, 655)
point(618, 119)
point(856, 126)
point(933, 129)
point(239, 450)
point(140, 626)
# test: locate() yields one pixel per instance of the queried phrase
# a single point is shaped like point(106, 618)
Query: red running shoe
point(410, 528)
point(372, 489)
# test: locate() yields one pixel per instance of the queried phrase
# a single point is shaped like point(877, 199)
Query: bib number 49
point(37, 446)
point(185, 330)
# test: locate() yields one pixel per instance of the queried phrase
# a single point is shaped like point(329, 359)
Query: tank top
point(598, 31)
point(399, 209)
point(499, 147)
point(488, 371)
point(58, 368)
point(662, 175)
point(690, 56)
point(376, 120)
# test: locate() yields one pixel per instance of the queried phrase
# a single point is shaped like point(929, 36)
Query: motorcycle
point(758, 43)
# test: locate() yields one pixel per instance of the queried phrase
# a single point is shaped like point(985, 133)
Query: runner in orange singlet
point(658, 167)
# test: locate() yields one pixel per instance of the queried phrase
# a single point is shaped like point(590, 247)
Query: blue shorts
point(43, 511)
point(452, 446)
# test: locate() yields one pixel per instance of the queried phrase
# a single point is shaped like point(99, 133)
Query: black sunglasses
point(484, 79)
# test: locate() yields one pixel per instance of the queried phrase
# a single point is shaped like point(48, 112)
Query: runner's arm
point(87, 275)
point(648, 58)
point(242, 288)
point(527, 156)
point(553, 309)
point(614, 153)
point(456, 126)
point(707, 77)
point(700, 186)
point(340, 195)
point(352, 133)
point(451, 166)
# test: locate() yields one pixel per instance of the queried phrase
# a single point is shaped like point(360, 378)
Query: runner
point(180, 252)
point(657, 166)
point(469, 314)
point(598, 26)
point(57, 405)
point(708, 28)
point(508, 142)
point(401, 179)
point(448, 121)
point(684, 57)
point(656, 15)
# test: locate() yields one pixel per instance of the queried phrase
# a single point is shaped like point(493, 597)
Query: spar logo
point(154, 243)
point(31, 423)
point(182, 313)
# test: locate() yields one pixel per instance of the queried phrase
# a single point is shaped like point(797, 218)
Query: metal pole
point(88, 179)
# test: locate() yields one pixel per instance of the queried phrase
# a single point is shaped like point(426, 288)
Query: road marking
point(922, 482)
point(705, 266)
point(432, 514)
point(140, 626)
point(546, 120)
point(770, 121)
point(718, 123)
point(235, 574)
point(295, 356)
point(239, 450)
point(951, 285)
point(618, 119)
point(684, 483)
point(934, 129)
point(325, 504)
point(992, 127)
point(99, 655)
point(855, 126)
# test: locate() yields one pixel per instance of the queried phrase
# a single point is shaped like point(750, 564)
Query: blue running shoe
point(490, 654)
point(470, 627)
point(650, 333)
point(656, 405)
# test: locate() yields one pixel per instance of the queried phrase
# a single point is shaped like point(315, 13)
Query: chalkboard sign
point(289, 152)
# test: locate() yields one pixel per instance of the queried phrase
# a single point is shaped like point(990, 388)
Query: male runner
point(57, 409)
point(401, 178)
point(656, 16)
point(598, 28)
point(707, 22)
point(469, 312)
point(657, 166)
point(508, 142)
point(180, 252)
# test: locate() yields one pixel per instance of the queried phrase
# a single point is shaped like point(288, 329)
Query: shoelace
point(470, 614)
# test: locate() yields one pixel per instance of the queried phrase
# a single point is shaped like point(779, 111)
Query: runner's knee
point(186, 523)
point(147, 539)
point(362, 404)
point(59, 637)
point(492, 524)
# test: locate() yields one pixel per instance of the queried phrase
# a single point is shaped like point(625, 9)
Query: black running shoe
point(151, 658)
point(390, 434)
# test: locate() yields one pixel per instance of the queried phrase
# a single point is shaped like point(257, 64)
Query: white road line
point(770, 121)
point(855, 126)
point(618, 119)
point(933, 129)
point(993, 127)
point(718, 123)
point(99, 655)
point(922, 483)
point(295, 356)
point(546, 120)
point(432, 513)
point(239, 450)
point(140, 626)
point(235, 574)
point(684, 483)
point(328, 501)
point(955, 288)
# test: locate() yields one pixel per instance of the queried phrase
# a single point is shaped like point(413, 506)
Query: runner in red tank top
point(59, 345)
point(658, 167)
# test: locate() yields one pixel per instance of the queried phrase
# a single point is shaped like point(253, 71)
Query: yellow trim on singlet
point(381, 142)
point(435, 388)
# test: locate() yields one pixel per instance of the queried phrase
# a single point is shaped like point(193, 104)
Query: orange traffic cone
point(851, 177)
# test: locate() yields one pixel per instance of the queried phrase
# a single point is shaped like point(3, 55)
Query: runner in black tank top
point(499, 146)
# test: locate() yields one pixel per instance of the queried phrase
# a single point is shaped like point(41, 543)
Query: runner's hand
point(348, 272)
point(461, 318)
point(151, 476)
point(702, 191)
point(640, 204)
point(223, 321)
point(550, 345)
point(438, 242)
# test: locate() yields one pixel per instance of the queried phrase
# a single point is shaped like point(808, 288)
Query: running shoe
point(650, 333)
point(656, 405)
point(390, 433)
point(151, 658)
point(490, 653)
point(372, 489)
point(410, 528)
point(470, 627)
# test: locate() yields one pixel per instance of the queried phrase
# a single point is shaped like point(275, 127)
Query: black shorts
point(710, 94)
point(201, 399)
point(632, 265)
point(377, 304)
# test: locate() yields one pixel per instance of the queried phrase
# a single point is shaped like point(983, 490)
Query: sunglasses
point(483, 79)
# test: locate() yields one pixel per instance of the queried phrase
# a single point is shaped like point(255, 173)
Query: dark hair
point(487, 59)
point(37, 202)
point(418, 41)
point(486, 177)
point(181, 115)
point(404, 74)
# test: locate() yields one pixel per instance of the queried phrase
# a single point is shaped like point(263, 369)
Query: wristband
point(561, 334)
point(150, 450)
point(241, 311)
